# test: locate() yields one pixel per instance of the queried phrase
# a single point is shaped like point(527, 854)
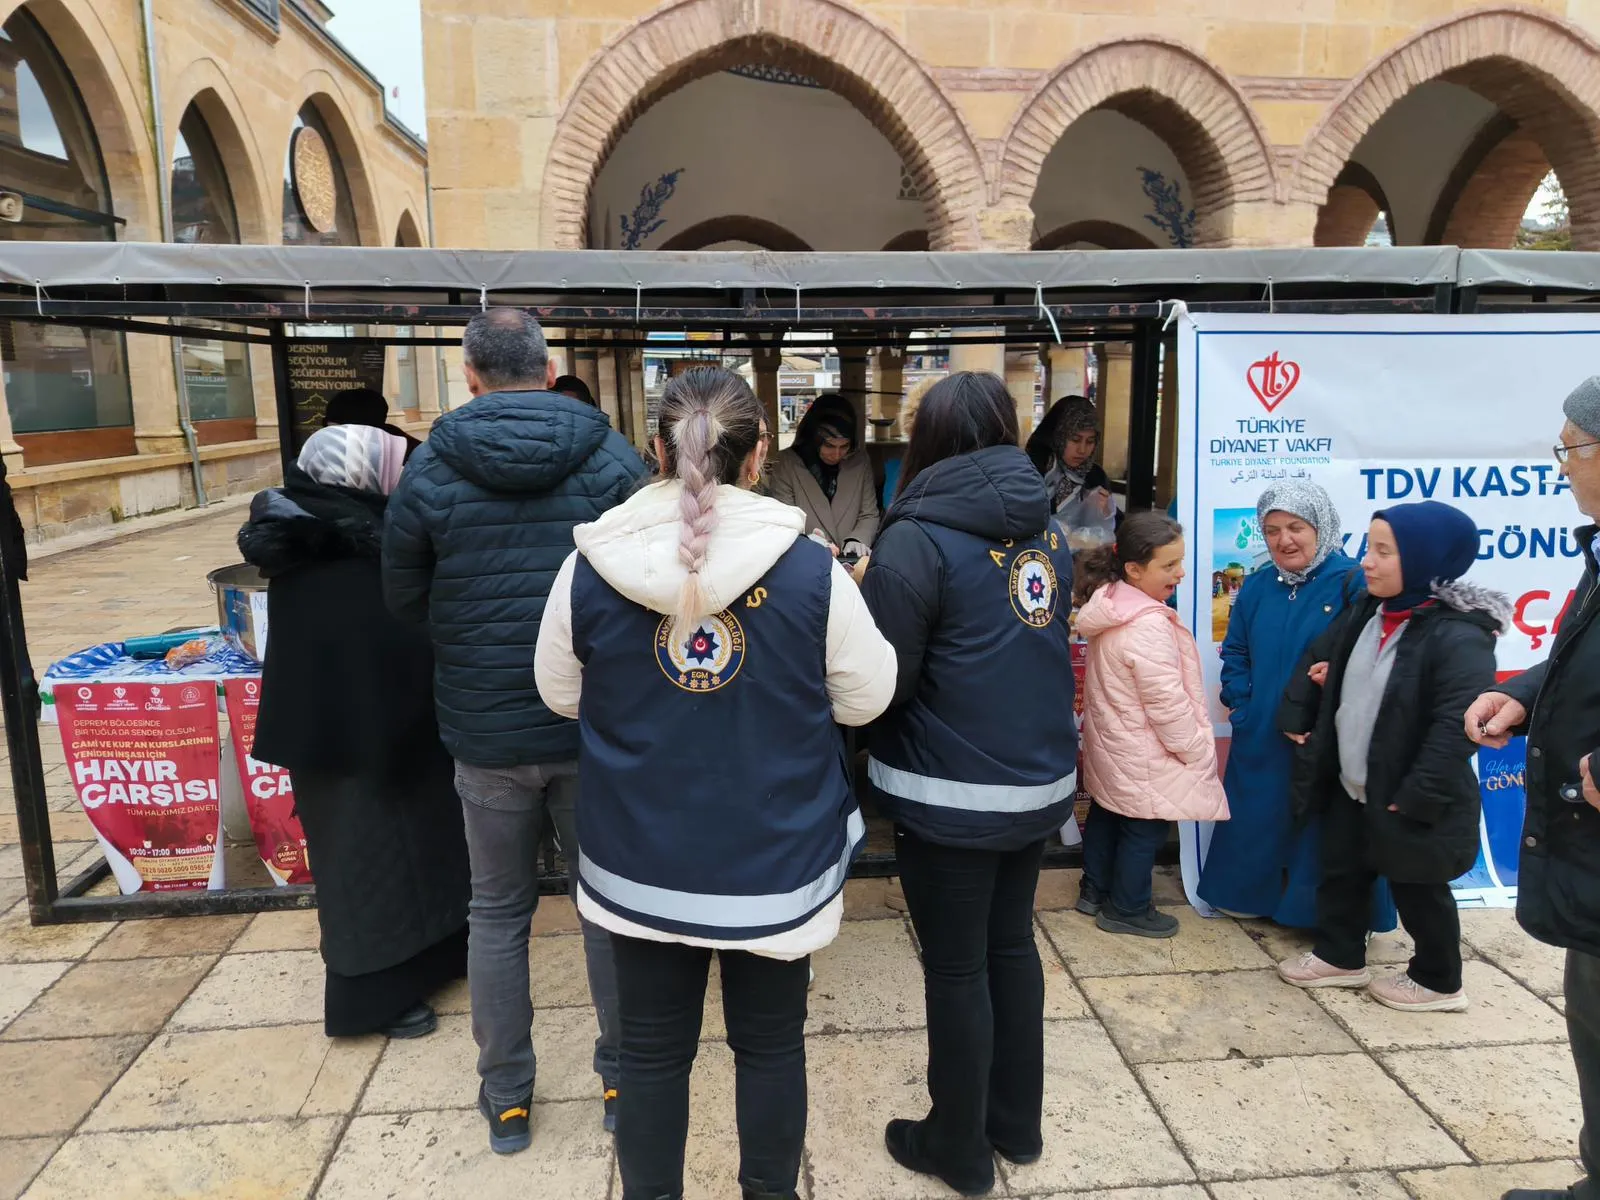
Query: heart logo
point(1272, 379)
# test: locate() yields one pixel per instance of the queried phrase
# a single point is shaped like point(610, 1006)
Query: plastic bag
point(1090, 519)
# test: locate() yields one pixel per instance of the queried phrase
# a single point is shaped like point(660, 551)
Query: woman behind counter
point(1259, 864)
point(1063, 448)
point(347, 709)
point(827, 475)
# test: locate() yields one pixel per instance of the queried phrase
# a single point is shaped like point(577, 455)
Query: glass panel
point(217, 376)
point(297, 228)
point(56, 377)
point(406, 371)
point(202, 203)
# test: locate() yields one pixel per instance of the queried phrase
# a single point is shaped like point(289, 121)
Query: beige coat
point(853, 512)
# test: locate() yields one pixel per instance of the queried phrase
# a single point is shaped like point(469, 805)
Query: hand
point(1299, 739)
point(1394, 808)
point(859, 571)
point(1318, 673)
point(1492, 717)
point(1590, 792)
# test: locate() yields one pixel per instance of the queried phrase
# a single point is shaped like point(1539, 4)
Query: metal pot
point(242, 607)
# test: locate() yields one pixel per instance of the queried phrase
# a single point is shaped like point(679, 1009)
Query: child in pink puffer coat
point(1149, 757)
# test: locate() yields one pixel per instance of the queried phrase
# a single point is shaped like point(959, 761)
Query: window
point(57, 377)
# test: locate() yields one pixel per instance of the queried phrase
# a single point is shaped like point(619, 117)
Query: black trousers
point(1344, 906)
point(1583, 1031)
point(1119, 858)
point(973, 913)
point(661, 992)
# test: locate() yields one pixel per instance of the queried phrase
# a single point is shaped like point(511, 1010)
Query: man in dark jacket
point(1557, 704)
point(474, 536)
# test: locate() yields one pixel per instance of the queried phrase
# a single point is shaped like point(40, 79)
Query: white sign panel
point(1381, 411)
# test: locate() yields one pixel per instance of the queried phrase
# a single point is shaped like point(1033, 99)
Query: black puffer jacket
point(476, 531)
point(1558, 882)
point(1420, 760)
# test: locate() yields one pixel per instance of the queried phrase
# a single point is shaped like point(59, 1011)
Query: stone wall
point(1263, 104)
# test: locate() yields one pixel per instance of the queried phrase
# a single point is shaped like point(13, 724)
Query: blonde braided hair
point(710, 422)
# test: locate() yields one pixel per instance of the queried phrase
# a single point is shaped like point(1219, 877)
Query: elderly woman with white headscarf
point(347, 708)
point(1260, 864)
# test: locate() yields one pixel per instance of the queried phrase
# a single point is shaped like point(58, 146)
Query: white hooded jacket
point(634, 548)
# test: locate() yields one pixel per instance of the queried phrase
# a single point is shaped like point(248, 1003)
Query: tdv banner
point(1381, 411)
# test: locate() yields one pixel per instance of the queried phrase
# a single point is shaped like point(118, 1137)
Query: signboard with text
point(1382, 411)
point(268, 790)
point(320, 370)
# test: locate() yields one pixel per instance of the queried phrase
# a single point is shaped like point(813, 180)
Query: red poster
point(268, 790)
point(144, 761)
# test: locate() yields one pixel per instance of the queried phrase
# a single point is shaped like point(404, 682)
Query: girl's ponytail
point(693, 439)
point(1138, 538)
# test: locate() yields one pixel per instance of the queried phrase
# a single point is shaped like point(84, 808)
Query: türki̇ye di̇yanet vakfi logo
point(1272, 379)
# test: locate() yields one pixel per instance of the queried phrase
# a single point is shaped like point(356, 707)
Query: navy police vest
point(714, 799)
point(986, 753)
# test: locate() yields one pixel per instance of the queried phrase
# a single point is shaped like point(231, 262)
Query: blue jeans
point(1119, 855)
point(505, 811)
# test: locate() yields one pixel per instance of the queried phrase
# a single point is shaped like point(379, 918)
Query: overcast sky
point(386, 35)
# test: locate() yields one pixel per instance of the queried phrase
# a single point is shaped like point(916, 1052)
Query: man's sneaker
point(508, 1124)
point(611, 1110)
point(1407, 995)
point(1309, 971)
point(1090, 899)
point(1152, 923)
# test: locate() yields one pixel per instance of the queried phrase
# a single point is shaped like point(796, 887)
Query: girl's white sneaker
point(1405, 994)
point(1309, 971)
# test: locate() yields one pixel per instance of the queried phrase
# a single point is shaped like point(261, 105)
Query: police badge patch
point(707, 658)
point(1033, 588)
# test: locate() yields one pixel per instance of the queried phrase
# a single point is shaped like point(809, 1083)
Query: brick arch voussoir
point(840, 47)
point(1542, 71)
point(1174, 92)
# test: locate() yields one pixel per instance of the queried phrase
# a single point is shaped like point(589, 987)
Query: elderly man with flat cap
point(1557, 704)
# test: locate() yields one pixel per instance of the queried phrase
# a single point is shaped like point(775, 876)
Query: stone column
point(1068, 372)
point(639, 403)
point(764, 364)
point(427, 379)
point(9, 449)
point(990, 357)
point(608, 394)
point(853, 385)
point(585, 364)
point(1022, 377)
point(155, 396)
point(263, 388)
point(889, 377)
point(1116, 404)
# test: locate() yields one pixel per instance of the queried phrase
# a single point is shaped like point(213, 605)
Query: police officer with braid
point(708, 648)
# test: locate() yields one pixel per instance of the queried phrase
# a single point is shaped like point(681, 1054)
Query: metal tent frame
point(610, 300)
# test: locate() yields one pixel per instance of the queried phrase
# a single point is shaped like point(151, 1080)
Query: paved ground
point(186, 1058)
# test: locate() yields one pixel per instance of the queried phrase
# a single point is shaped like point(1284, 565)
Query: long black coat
point(1558, 882)
point(1420, 759)
point(347, 708)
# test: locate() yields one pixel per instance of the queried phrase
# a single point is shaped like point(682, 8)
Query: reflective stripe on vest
point(725, 912)
point(971, 797)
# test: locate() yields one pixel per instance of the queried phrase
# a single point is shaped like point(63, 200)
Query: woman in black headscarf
point(827, 475)
point(1063, 449)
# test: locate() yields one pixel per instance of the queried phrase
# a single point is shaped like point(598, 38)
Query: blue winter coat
point(1272, 624)
point(473, 538)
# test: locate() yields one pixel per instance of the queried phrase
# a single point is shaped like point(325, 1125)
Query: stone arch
point(827, 40)
point(1173, 92)
point(1485, 198)
point(1108, 235)
point(1352, 208)
point(407, 232)
point(911, 241)
point(204, 86)
point(113, 100)
point(1541, 72)
point(767, 234)
point(322, 90)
